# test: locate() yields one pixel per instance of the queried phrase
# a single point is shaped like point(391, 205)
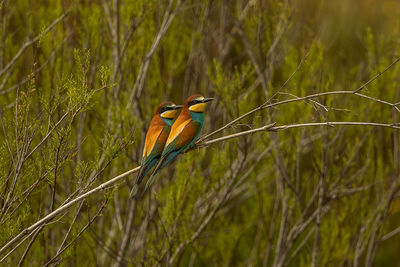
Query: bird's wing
point(187, 135)
point(176, 130)
point(153, 147)
point(151, 140)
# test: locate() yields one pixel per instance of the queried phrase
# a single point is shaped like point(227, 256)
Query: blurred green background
point(79, 82)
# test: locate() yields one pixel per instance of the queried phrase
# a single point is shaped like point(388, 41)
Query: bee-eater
point(156, 137)
point(184, 132)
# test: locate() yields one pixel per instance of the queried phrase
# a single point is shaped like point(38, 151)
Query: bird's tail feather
point(152, 177)
point(134, 191)
point(135, 188)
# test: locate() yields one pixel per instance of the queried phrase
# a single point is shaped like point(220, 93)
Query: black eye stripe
point(165, 108)
point(194, 102)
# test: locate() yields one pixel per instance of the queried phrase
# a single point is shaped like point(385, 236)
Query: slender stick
point(351, 92)
point(112, 181)
point(65, 207)
point(30, 42)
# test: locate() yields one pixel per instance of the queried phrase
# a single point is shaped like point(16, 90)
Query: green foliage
point(68, 124)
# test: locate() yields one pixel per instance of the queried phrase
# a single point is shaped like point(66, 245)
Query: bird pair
point(170, 134)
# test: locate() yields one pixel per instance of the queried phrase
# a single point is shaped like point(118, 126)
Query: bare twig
point(78, 235)
point(267, 105)
point(30, 42)
point(127, 234)
point(114, 180)
point(59, 210)
point(321, 199)
point(29, 245)
point(144, 68)
point(391, 234)
point(37, 70)
point(211, 215)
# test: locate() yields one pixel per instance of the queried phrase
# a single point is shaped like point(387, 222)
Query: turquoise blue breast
point(168, 121)
point(197, 116)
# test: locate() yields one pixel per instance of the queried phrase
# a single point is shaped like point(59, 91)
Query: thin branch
point(272, 127)
point(52, 54)
point(350, 92)
point(321, 199)
point(59, 210)
point(144, 68)
point(300, 246)
point(377, 75)
point(30, 42)
point(210, 216)
point(391, 234)
point(114, 180)
point(127, 234)
point(29, 245)
point(78, 235)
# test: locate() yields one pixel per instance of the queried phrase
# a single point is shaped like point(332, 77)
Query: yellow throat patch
point(169, 114)
point(198, 107)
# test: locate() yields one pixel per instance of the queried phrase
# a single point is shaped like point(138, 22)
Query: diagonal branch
point(114, 180)
point(345, 92)
point(32, 41)
point(144, 68)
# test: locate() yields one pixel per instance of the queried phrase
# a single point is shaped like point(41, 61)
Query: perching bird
point(156, 136)
point(184, 132)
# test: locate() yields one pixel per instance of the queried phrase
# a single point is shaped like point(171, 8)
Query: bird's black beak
point(177, 107)
point(207, 99)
